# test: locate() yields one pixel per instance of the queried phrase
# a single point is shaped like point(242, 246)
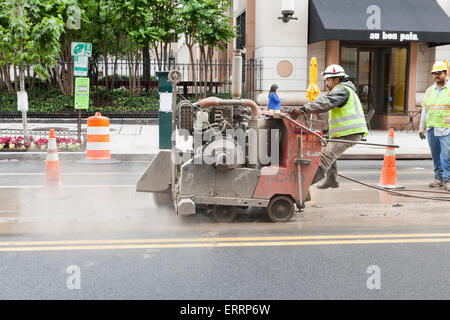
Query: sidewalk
point(140, 142)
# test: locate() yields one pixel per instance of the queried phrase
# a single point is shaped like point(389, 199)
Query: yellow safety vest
point(348, 119)
point(438, 108)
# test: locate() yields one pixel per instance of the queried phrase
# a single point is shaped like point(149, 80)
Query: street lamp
point(287, 10)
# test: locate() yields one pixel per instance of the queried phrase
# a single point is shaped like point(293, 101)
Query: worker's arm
point(423, 117)
point(422, 128)
point(337, 97)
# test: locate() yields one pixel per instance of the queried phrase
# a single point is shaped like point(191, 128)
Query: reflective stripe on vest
point(438, 108)
point(348, 119)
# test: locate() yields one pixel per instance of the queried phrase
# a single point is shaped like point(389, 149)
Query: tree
point(30, 37)
point(214, 32)
point(137, 17)
point(204, 22)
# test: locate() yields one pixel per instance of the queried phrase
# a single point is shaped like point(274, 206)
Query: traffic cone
point(388, 178)
point(52, 168)
point(53, 188)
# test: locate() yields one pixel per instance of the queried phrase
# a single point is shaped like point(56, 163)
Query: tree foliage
point(37, 34)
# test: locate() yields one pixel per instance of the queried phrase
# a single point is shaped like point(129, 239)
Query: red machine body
point(298, 143)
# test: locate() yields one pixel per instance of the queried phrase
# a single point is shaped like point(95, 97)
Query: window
point(241, 31)
point(379, 74)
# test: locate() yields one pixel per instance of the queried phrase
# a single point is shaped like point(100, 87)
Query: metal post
point(79, 126)
point(299, 170)
point(175, 77)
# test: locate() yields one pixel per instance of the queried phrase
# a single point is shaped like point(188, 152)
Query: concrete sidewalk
point(140, 142)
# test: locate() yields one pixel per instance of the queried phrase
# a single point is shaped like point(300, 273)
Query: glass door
point(379, 74)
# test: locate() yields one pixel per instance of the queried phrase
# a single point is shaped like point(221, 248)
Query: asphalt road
point(350, 243)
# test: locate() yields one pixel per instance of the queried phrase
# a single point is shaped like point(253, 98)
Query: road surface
point(105, 241)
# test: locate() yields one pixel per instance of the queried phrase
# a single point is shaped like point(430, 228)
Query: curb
point(71, 156)
point(136, 121)
point(41, 156)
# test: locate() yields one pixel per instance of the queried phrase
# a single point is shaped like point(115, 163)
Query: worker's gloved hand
point(422, 134)
point(296, 112)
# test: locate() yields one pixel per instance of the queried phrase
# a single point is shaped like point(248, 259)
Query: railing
point(121, 89)
point(38, 133)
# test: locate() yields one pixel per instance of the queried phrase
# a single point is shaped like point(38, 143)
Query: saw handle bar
point(285, 116)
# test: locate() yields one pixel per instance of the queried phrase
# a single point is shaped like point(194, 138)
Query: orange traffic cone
point(388, 178)
point(52, 170)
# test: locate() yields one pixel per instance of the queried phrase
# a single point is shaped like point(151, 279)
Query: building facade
point(387, 48)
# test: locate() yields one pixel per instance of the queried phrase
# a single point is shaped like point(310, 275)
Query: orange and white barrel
point(97, 141)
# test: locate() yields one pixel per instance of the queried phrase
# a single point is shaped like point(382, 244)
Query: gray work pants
point(331, 152)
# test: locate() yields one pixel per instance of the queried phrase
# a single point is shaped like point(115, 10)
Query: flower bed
point(19, 144)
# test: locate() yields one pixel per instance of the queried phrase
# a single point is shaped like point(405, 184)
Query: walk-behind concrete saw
point(240, 157)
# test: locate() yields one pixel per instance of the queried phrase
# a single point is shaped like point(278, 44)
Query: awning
point(378, 20)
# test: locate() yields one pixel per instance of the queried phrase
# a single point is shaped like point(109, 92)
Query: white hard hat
point(333, 71)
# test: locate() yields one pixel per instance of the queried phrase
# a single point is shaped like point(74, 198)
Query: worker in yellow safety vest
point(345, 119)
point(435, 124)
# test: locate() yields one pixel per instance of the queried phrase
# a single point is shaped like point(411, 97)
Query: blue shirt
point(274, 102)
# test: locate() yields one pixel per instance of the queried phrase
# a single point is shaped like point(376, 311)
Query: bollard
point(165, 110)
point(98, 148)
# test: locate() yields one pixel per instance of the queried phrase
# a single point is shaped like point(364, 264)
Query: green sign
point(80, 66)
point(81, 93)
point(81, 49)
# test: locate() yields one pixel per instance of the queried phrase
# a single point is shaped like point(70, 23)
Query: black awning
point(378, 20)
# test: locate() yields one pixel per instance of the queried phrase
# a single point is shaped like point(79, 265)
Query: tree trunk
point(33, 83)
point(194, 75)
point(16, 80)
point(58, 79)
point(158, 57)
point(22, 79)
point(2, 82)
point(105, 58)
point(7, 77)
point(146, 66)
point(211, 76)
point(136, 73)
point(116, 54)
point(130, 75)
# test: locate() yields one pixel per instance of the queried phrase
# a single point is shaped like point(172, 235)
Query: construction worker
point(346, 121)
point(435, 122)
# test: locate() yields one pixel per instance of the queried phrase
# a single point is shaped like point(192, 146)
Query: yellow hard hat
point(439, 66)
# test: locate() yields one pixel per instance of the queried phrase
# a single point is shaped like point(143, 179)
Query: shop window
point(379, 74)
point(399, 63)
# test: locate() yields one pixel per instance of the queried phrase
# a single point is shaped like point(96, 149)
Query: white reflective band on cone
point(52, 157)
point(51, 144)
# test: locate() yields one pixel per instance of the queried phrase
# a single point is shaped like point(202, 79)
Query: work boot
point(308, 197)
point(436, 184)
point(328, 184)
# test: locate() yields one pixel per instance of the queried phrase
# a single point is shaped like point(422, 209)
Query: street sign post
point(81, 100)
point(81, 51)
